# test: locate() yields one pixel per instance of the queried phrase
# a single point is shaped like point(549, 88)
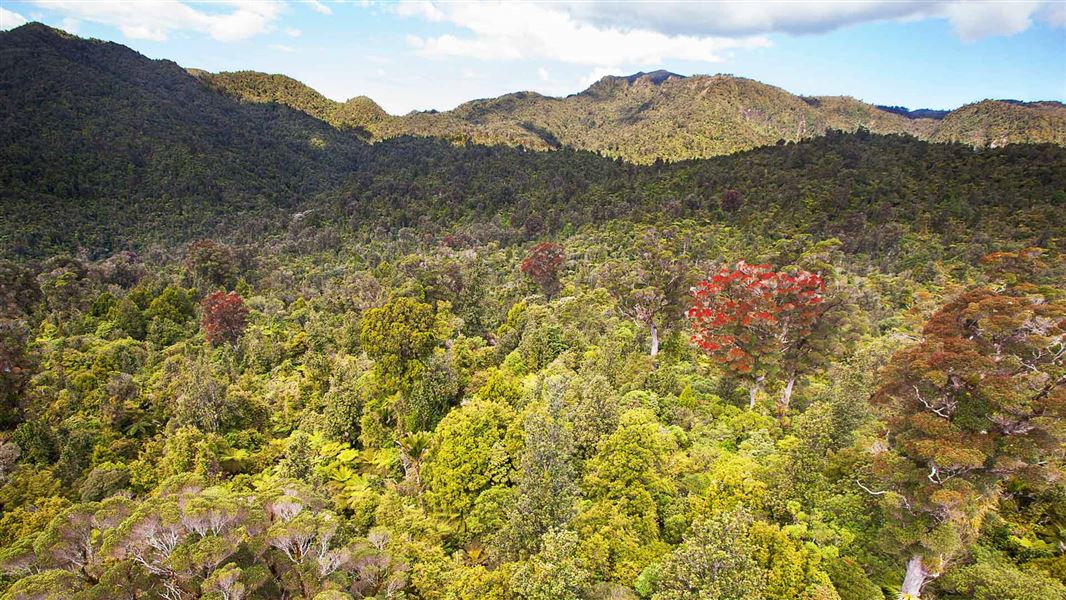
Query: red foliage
point(741, 316)
point(225, 317)
point(542, 266)
point(457, 241)
point(732, 200)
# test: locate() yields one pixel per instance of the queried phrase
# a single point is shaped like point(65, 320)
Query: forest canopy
point(246, 355)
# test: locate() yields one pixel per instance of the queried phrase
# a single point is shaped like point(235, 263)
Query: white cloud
point(526, 30)
point(596, 75)
point(282, 48)
point(293, 32)
point(228, 20)
point(983, 19)
point(543, 74)
point(319, 7)
point(970, 19)
point(10, 19)
point(635, 32)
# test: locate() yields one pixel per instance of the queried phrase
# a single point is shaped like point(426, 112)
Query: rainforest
point(257, 344)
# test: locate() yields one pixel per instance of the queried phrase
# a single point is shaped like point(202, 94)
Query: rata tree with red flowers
point(542, 266)
point(980, 400)
point(224, 317)
point(765, 326)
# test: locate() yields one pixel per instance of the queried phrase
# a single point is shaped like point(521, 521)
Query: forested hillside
point(359, 113)
point(96, 140)
point(245, 355)
point(661, 115)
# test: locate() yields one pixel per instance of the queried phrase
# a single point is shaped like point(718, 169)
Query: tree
point(542, 266)
point(649, 289)
point(758, 322)
point(399, 337)
point(732, 200)
point(213, 263)
point(627, 485)
point(976, 402)
point(16, 366)
point(225, 317)
point(555, 573)
point(716, 560)
point(546, 490)
point(470, 456)
point(64, 284)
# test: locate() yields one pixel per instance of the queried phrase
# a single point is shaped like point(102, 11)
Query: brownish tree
point(225, 317)
point(542, 266)
point(979, 400)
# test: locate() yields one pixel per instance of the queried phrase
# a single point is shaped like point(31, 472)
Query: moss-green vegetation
point(334, 370)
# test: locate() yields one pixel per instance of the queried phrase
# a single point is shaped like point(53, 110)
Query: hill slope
point(104, 149)
point(646, 116)
point(138, 140)
point(995, 123)
point(251, 86)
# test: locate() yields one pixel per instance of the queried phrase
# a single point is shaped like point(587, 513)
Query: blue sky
point(422, 55)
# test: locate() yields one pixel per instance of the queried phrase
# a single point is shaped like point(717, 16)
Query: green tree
point(716, 560)
point(546, 490)
point(555, 572)
point(470, 457)
point(651, 288)
point(399, 336)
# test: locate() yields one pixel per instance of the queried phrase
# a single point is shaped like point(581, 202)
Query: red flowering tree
point(225, 317)
point(760, 323)
point(542, 266)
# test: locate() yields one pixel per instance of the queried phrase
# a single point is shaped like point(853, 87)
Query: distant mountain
point(996, 123)
point(919, 113)
point(646, 116)
point(103, 149)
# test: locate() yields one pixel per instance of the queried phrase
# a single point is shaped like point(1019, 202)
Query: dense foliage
point(826, 370)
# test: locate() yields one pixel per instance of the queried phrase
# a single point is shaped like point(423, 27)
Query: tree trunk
point(654, 338)
point(914, 579)
point(786, 398)
point(754, 392)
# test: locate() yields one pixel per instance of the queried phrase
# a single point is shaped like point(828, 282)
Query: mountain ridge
point(662, 115)
point(103, 149)
point(642, 118)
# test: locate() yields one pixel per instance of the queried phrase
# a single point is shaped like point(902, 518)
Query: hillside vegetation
point(648, 116)
point(245, 355)
point(360, 113)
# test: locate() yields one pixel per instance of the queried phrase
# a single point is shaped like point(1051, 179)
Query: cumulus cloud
point(527, 30)
point(10, 19)
point(628, 32)
point(973, 21)
point(970, 19)
point(156, 20)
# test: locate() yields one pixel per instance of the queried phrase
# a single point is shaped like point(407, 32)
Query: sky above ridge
point(436, 55)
